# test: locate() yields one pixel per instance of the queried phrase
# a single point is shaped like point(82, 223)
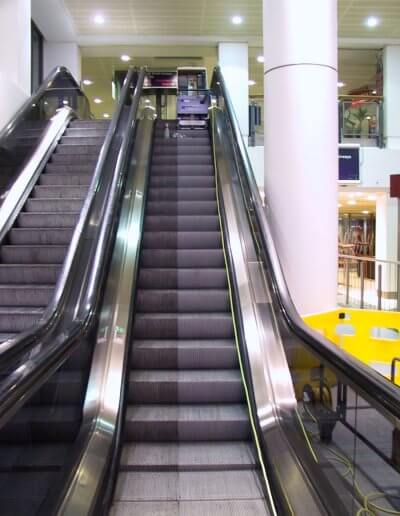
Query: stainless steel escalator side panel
point(104, 398)
point(269, 373)
point(22, 187)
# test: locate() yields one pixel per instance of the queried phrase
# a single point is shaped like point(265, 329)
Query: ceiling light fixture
point(260, 59)
point(374, 92)
point(125, 58)
point(237, 20)
point(87, 82)
point(351, 203)
point(339, 205)
point(106, 115)
point(340, 84)
point(372, 22)
point(252, 83)
point(365, 212)
point(97, 101)
point(99, 19)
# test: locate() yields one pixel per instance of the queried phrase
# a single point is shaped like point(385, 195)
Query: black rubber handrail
point(56, 340)
point(383, 395)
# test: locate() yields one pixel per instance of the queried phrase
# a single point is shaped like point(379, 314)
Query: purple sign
point(349, 164)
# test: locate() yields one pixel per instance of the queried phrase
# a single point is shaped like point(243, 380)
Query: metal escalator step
point(47, 220)
point(33, 254)
point(182, 181)
point(85, 139)
point(189, 169)
point(188, 456)
point(182, 301)
point(183, 326)
point(78, 133)
point(181, 150)
point(83, 148)
point(65, 179)
point(172, 208)
point(32, 274)
point(232, 507)
point(181, 240)
point(22, 492)
point(181, 194)
point(184, 354)
point(16, 319)
point(44, 424)
point(182, 278)
point(25, 295)
point(185, 159)
point(60, 191)
point(54, 205)
point(65, 168)
point(89, 124)
point(185, 386)
point(182, 258)
point(40, 457)
point(74, 159)
point(189, 485)
point(181, 223)
point(40, 236)
point(222, 422)
point(64, 387)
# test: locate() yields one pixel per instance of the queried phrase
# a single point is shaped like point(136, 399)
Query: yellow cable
point(251, 417)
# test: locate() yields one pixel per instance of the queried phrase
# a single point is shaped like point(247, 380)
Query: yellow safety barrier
point(371, 336)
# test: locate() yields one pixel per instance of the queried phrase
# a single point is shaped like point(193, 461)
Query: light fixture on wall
point(106, 115)
point(97, 100)
point(252, 83)
point(125, 58)
point(87, 82)
point(260, 59)
point(341, 84)
point(99, 19)
point(237, 20)
point(372, 22)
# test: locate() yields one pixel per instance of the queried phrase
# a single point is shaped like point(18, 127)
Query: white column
point(391, 88)
point(387, 241)
point(62, 54)
point(15, 56)
point(233, 58)
point(301, 147)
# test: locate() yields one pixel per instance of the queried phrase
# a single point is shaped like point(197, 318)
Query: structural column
point(387, 243)
point(301, 147)
point(391, 88)
point(15, 56)
point(233, 59)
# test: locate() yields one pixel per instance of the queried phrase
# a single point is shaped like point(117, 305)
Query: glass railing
point(360, 120)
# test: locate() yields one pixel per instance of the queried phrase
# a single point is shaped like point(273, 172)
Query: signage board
point(349, 163)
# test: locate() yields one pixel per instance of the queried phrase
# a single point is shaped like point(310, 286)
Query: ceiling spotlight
point(97, 101)
point(237, 20)
point(106, 115)
point(260, 59)
point(365, 212)
point(339, 205)
point(374, 92)
point(65, 102)
point(251, 83)
point(87, 82)
point(99, 19)
point(371, 198)
point(125, 58)
point(351, 203)
point(340, 84)
point(372, 22)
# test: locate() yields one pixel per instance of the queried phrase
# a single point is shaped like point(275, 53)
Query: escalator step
point(185, 386)
point(182, 150)
point(184, 354)
point(32, 458)
point(182, 301)
point(182, 278)
point(188, 456)
point(181, 208)
point(54, 205)
point(182, 258)
point(209, 422)
point(182, 181)
point(17, 319)
point(84, 149)
point(40, 254)
point(65, 168)
point(188, 169)
point(41, 236)
point(26, 295)
point(181, 194)
point(59, 191)
point(183, 326)
point(181, 223)
point(75, 159)
point(33, 274)
point(65, 179)
point(47, 220)
point(181, 240)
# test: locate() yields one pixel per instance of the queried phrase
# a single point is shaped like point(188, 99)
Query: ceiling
point(211, 18)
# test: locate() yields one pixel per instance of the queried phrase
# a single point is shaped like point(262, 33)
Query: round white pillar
point(301, 147)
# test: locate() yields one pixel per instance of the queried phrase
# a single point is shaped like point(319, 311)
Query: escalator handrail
point(13, 348)
point(34, 99)
point(382, 394)
point(73, 318)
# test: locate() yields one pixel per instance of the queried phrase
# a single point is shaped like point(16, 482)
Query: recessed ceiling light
point(99, 19)
point(106, 115)
point(372, 21)
point(251, 82)
point(97, 101)
point(365, 212)
point(351, 203)
point(339, 205)
point(260, 59)
point(65, 102)
point(340, 84)
point(374, 92)
point(125, 58)
point(371, 198)
point(87, 82)
point(237, 20)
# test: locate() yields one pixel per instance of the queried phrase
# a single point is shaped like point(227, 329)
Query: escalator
point(188, 441)
point(32, 253)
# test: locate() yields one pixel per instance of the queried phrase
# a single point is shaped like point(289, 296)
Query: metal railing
point(368, 283)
